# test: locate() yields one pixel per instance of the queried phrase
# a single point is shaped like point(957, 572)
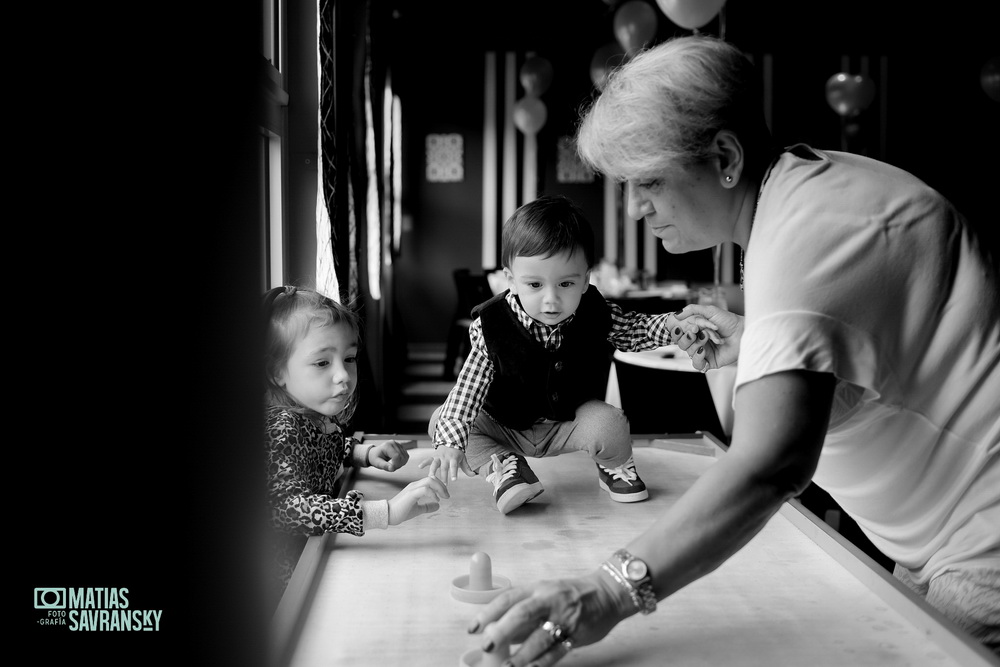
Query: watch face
point(636, 570)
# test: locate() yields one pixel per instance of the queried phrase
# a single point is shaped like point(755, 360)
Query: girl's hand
point(715, 351)
point(586, 608)
point(389, 455)
point(416, 498)
point(446, 463)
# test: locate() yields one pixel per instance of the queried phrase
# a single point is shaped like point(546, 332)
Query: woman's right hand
point(416, 498)
point(586, 608)
point(706, 353)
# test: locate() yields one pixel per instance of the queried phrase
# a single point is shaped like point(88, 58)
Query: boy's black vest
point(530, 382)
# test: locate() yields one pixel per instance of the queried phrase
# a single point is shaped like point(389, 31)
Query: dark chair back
point(472, 289)
point(658, 401)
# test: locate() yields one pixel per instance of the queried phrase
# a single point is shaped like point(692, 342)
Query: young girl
point(311, 376)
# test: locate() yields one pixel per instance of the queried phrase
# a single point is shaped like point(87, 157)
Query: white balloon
point(690, 14)
point(530, 114)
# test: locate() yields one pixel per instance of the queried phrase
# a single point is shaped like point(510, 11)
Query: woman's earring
point(729, 179)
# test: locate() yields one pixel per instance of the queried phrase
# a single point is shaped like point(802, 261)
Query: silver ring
point(558, 633)
point(705, 369)
point(567, 644)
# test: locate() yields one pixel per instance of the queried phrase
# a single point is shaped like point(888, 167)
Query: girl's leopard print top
point(304, 464)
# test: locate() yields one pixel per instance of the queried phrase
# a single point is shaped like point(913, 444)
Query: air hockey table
point(797, 594)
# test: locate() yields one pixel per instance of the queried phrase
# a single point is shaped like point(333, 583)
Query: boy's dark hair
point(547, 226)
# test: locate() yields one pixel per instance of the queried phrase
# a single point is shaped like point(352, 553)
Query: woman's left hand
point(389, 455)
point(549, 618)
point(711, 348)
point(690, 327)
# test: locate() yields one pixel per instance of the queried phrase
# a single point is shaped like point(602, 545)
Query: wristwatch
point(636, 577)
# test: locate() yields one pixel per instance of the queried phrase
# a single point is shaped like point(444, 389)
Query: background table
point(795, 595)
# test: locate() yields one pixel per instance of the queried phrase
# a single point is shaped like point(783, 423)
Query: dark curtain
point(348, 65)
point(338, 49)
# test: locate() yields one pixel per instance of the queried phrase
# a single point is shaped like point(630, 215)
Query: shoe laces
point(625, 472)
point(502, 470)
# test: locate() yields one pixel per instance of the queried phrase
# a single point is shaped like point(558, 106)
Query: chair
point(658, 401)
point(472, 289)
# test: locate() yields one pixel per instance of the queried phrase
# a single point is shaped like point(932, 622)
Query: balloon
point(690, 14)
point(605, 59)
point(849, 94)
point(634, 25)
point(990, 78)
point(530, 114)
point(536, 75)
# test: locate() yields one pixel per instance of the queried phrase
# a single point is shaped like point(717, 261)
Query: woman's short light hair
point(661, 110)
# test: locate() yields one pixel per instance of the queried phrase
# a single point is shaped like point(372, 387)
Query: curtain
point(352, 86)
point(350, 220)
point(336, 219)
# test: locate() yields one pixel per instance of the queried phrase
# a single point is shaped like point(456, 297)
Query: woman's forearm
point(770, 460)
point(714, 519)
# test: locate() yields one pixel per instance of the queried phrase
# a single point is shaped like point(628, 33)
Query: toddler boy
point(534, 382)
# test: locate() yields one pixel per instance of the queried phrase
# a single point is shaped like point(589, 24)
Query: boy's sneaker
point(622, 483)
point(513, 482)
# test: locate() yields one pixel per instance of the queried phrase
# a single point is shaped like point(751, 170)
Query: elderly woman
point(869, 357)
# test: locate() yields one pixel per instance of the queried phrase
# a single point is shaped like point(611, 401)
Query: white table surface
point(787, 598)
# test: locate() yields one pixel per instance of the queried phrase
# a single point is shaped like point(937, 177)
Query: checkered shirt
point(630, 332)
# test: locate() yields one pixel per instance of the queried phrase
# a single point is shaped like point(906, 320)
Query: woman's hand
point(446, 463)
point(585, 609)
point(416, 498)
point(715, 351)
point(688, 328)
point(389, 456)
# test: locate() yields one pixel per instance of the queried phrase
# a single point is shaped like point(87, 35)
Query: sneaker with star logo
point(513, 481)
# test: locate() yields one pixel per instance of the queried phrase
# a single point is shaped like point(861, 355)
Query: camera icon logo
point(50, 598)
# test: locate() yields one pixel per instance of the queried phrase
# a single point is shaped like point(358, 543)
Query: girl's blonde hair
point(289, 313)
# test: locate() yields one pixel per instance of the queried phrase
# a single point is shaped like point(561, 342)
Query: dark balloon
point(536, 75)
point(990, 78)
point(606, 58)
point(635, 25)
point(849, 94)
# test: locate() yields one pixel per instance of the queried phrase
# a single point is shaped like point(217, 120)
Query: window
point(273, 126)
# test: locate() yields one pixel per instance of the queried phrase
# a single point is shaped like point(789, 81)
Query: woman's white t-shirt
point(858, 269)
